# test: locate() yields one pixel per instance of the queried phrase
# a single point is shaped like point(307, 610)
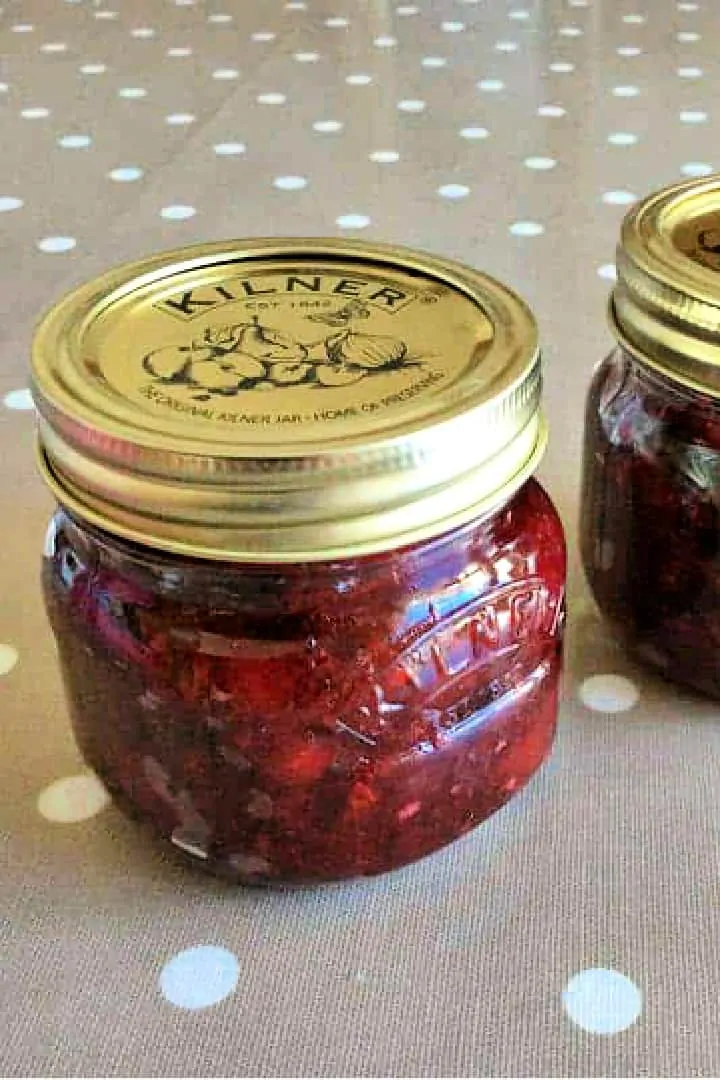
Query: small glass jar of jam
point(307, 595)
point(651, 497)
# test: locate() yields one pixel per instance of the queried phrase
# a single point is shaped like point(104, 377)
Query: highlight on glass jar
point(651, 491)
point(308, 596)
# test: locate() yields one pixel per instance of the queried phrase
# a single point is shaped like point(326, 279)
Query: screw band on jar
point(285, 400)
point(665, 308)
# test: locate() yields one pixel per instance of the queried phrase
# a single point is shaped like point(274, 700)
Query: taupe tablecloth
point(577, 932)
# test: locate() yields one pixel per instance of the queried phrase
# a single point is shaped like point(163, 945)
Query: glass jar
point(326, 657)
point(650, 528)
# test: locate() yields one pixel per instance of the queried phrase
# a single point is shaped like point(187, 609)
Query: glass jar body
point(314, 721)
point(650, 528)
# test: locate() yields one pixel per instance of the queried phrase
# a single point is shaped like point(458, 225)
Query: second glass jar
point(650, 520)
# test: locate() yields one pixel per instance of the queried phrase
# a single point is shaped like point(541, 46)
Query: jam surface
point(651, 517)
point(319, 721)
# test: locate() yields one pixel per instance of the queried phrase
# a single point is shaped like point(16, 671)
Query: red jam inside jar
point(308, 597)
point(651, 517)
point(320, 721)
point(650, 526)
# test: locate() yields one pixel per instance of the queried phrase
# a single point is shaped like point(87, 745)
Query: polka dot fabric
point(574, 933)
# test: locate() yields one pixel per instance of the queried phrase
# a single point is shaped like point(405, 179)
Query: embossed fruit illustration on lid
point(251, 356)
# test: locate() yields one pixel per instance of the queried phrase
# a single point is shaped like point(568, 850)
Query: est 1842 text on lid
point(283, 400)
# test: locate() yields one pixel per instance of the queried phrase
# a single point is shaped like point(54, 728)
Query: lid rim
point(236, 552)
point(666, 302)
point(146, 382)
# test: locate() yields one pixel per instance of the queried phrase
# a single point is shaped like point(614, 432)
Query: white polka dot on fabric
point(180, 50)
point(19, 401)
point(491, 86)
point(609, 693)
point(506, 46)
point(179, 119)
point(453, 191)
point(22, 28)
point(353, 221)
point(328, 127)
point(602, 1001)
point(261, 36)
point(618, 198)
point(35, 112)
point(687, 37)
point(74, 142)
point(178, 212)
point(694, 116)
point(634, 19)
point(433, 62)
point(306, 57)
point(290, 183)
point(384, 157)
point(56, 245)
point(608, 272)
point(229, 149)
point(562, 67)
point(106, 14)
point(628, 50)
point(4, 87)
point(9, 202)
point(143, 32)
point(551, 110)
point(132, 93)
point(125, 174)
point(199, 977)
point(407, 9)
point(474, 133)
point(296, 5)
point(625, 91)
point(690, 72)
point(688, 6)
point(337, 22)
point(540, 164)
point(8, 658)
point(411, 105)
point(622, 138)
point(696, 168)
point(72, 799)
point(451, 26)
point(220, 18)
point(570, 31)
point(519, 14)
point(358, 80)
point(223, 74)
point(93, 69)
point(527, 228)
point(53, 47)
point(271, 99)
point(385, 42)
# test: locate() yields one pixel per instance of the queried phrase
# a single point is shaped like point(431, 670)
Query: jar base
point(220, 869)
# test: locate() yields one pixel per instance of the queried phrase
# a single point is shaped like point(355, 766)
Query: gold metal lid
point(287, 400)
point(666, 305)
